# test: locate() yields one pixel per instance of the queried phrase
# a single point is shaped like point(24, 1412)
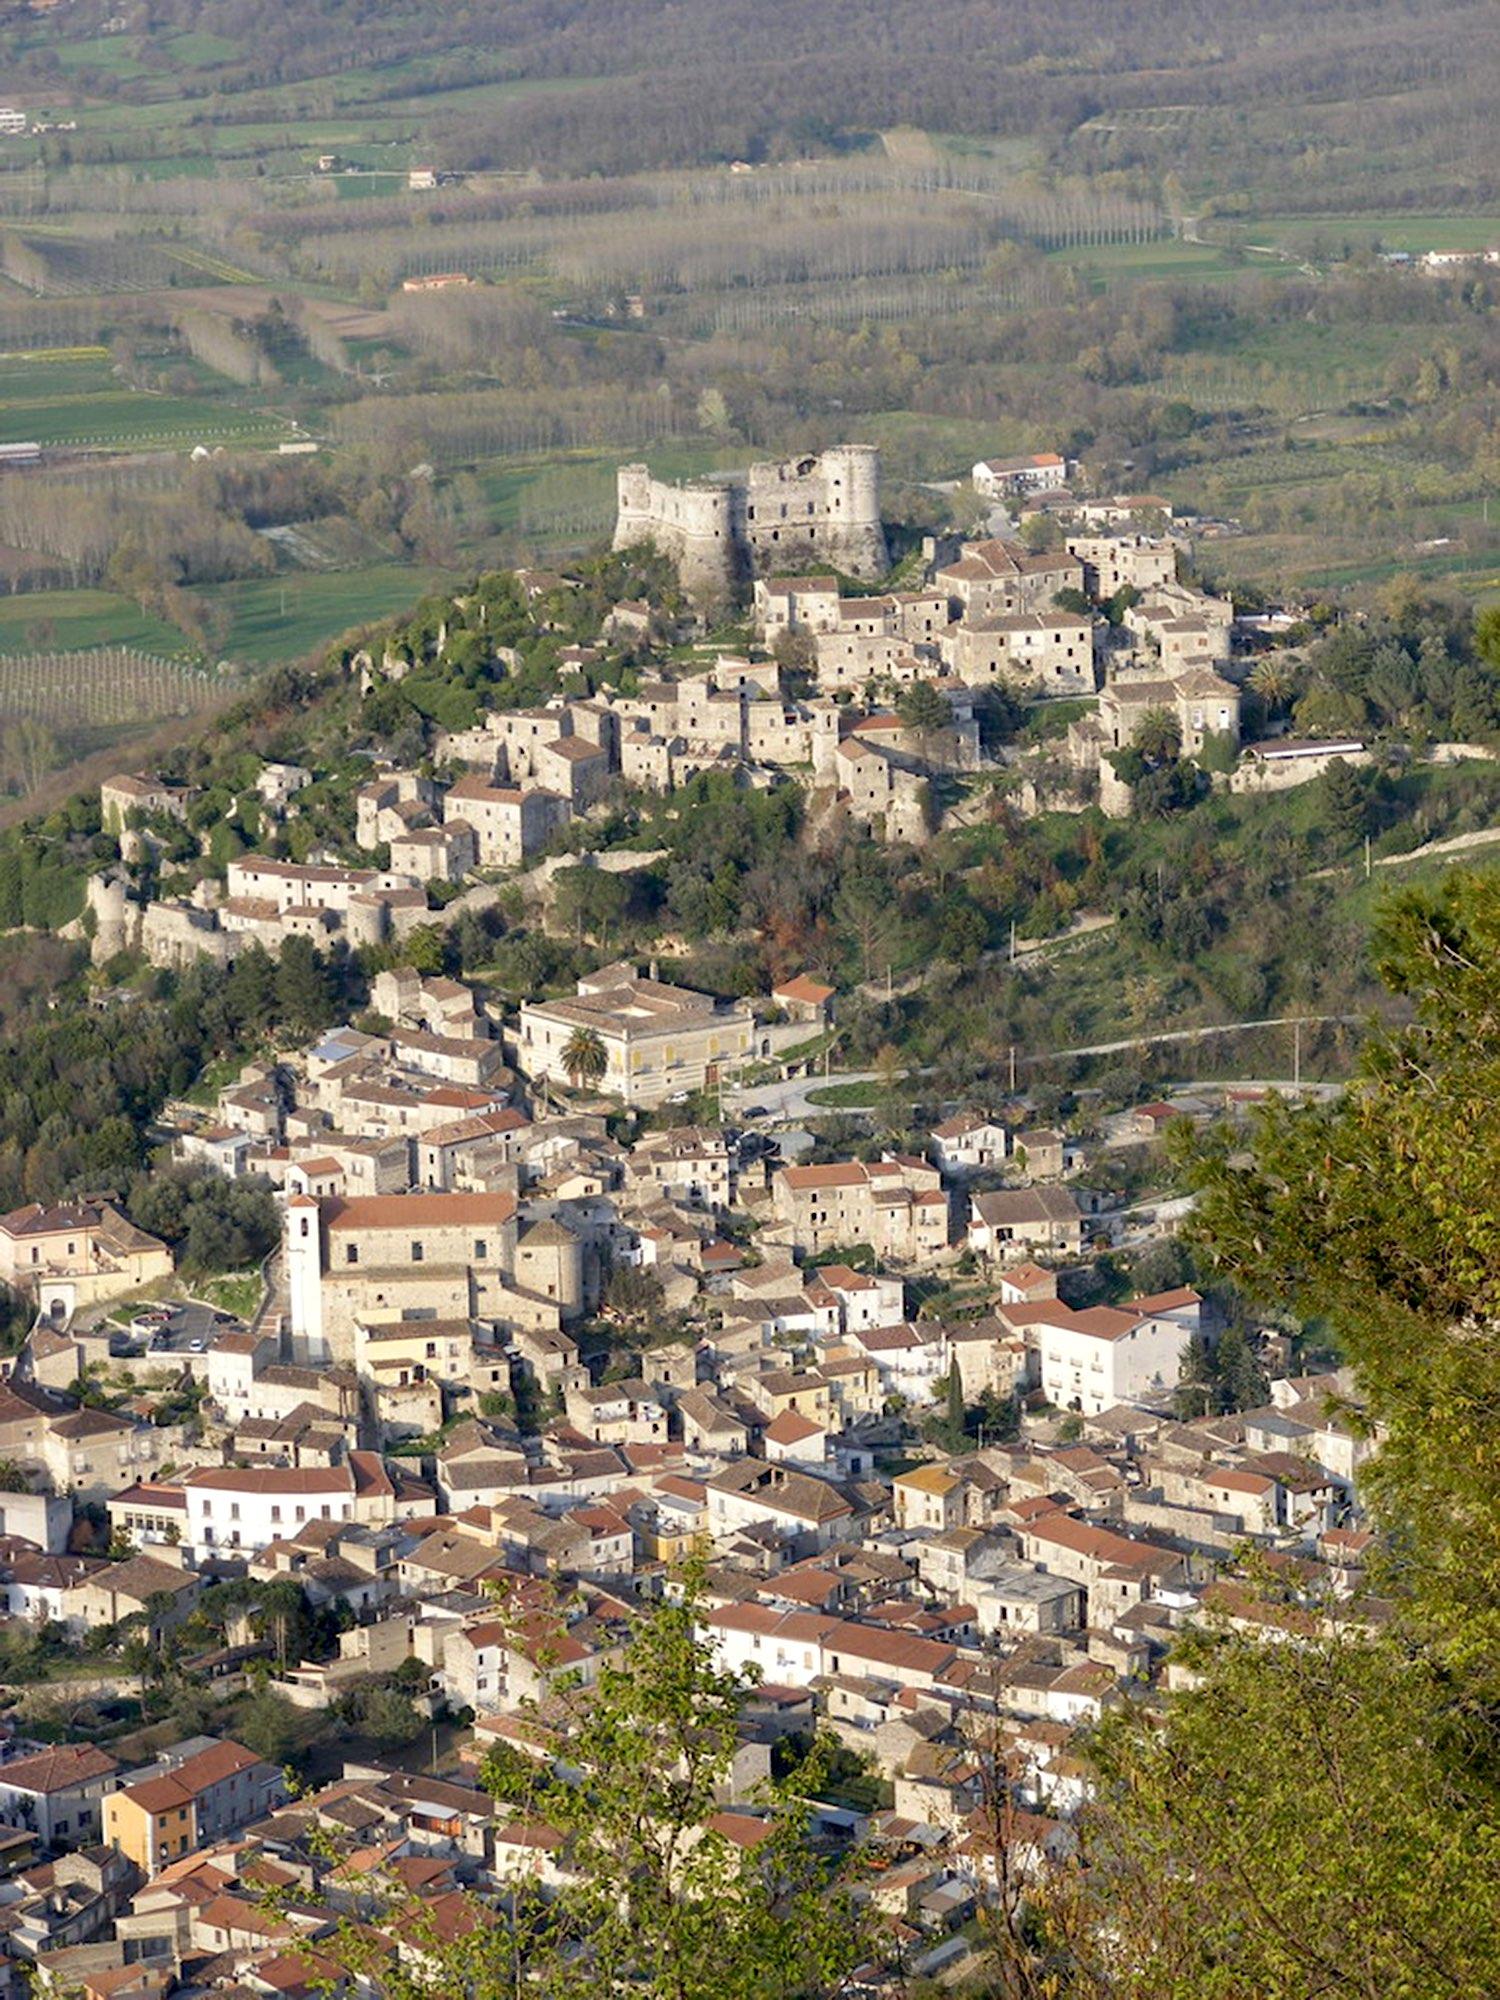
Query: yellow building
point(77, 1254)
point(153, 1823)
point(929, 1496)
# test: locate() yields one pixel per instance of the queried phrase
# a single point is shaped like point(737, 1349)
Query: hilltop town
point(560, 1305)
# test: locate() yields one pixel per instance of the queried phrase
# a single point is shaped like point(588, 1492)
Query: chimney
point(653, 972)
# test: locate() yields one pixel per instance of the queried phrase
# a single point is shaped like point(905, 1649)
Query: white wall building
point(237, 1511)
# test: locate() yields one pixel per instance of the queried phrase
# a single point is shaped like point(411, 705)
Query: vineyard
point(101, 688)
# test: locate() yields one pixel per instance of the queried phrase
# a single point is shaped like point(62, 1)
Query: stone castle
point(820, 512)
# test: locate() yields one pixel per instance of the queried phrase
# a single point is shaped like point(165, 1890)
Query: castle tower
point(851, 475)
point(632, 506)
point(778, 519)
point(303, 1256)
point(105, 896)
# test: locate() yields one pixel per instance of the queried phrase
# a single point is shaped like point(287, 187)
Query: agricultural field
point(76, 400)
point(72, 620)
point(698, 276)
point(1413, 233)
point(288, 616)
point(104, 687)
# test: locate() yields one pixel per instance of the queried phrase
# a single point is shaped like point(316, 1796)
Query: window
point(351, 1253)
point(416, 1253)
point(481, 1250)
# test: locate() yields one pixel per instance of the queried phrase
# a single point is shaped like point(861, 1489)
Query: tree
point(1310, 1820)
point(268, 1725)
point(634, 1295)
point(1346, 801)
point(1242, 1380)
point(215, 1225)
point(653, 1899)
point(1196, 1392)
point(1487, 635)
point(1318, 1817)
point(924, 711)
point(592, 900)
point(1275, 679)
point(661, 1908)
point(585, 1057)
point(1158, 736)
point(305, 993)
point(1379, 1213)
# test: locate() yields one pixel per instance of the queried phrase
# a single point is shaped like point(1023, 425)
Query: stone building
point(775, 518)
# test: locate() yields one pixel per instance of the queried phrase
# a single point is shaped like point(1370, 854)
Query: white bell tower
point(304, 1279)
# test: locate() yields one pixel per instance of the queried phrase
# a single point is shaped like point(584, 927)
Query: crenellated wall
point(822, 511)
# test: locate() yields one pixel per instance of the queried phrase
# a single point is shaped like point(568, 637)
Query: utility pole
point(1367, 857)
point(1012, 1069)
point(1012, 940)
point(1296, 1055)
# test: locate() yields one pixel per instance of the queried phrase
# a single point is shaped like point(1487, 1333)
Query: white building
point(1012, 478)
point(1092, 1361)
point(237, 1511)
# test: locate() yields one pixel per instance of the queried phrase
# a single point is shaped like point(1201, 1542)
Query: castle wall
point(819, 511)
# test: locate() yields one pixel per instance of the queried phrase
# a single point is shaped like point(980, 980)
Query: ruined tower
point(817, 512)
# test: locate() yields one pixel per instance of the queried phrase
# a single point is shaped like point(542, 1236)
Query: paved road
point(1190, 1035)
point(784, 1103)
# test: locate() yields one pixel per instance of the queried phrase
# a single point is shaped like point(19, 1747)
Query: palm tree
point(584, 1056)
point(1274, 679)
point(1158, 736)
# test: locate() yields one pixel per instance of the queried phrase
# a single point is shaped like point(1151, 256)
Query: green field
point(1392, 232)
point(69, 620)
point(285, 617)
point(1166, 260)
point(77, 400)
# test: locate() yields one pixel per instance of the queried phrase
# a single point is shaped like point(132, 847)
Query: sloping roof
point(421, 1211)
point(142, 1576)
point(57, 1769)
point(803, 988)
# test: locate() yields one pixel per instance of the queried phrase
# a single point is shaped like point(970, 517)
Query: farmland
point(77, 401)
point(101, 688)
point(214, 255)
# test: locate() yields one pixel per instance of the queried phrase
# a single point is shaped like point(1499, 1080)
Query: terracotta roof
point(791, 1428)
point(57, 1769)
point(271, 1479)
point(431, 1211)
point(803, 988)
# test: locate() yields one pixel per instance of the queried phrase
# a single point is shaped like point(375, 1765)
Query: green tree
point(634, 1295)
point(1346, 801)
point(655, 1900)
point(585, 1057)
point(664, 1908)
point(1322, 1817)
point(1275, 678)
point(591, 900)
point(1158, 736)
point(305, 993)
point(1380, 1214)
point(1311, 1820)
point(268, 1725)
point(924, 711)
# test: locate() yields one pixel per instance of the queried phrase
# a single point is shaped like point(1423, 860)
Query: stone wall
point(819, 512)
